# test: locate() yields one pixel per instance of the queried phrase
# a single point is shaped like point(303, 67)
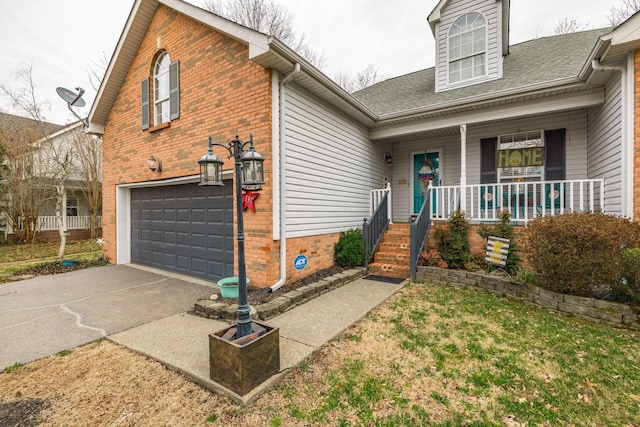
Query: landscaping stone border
point(590, 308)
point(219, 309)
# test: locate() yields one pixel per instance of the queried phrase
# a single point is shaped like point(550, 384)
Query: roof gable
point(134, 31)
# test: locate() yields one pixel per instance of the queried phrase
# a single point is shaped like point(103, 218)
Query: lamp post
point(248, 172)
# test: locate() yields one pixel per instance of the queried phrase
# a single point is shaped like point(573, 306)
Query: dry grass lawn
point(429, 356)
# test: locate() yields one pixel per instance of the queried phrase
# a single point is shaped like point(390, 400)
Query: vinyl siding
point(331, 167)
point(604, 151)
point(453, 11)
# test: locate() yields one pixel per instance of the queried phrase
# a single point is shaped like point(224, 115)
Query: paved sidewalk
point(182, 341)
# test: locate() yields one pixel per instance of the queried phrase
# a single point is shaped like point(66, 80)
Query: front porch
point(393, 247)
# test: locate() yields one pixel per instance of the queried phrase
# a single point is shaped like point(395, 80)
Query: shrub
point(349, 250)
point(432, 258)
point(477, 262)
point(630, 280)
point(577, 253)
point(453, 242)
point(503, 229)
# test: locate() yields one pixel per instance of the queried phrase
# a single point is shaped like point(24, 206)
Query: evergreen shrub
point(349, 250)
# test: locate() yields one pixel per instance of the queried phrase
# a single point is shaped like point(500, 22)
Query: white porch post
point(463, 168)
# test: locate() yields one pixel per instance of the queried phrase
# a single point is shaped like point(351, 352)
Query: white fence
point(46, 223)
point(524, 200)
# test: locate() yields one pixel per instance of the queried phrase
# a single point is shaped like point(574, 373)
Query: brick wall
point(222, 93)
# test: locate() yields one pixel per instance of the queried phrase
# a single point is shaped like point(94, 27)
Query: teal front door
point(424, 171)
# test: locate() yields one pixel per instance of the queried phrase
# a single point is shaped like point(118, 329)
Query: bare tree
point(619, 14)
point(88, 152)
point(24, 195)
point(39, 163)
point(269, 18)
point(97, 70)
point(566, 26)
point(367, 77)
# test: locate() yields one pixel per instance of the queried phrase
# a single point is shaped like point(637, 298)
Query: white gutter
point(283, 190)
point(626, 153)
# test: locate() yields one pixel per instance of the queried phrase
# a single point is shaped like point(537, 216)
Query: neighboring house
point(46, 154)
point(65, 149)
point(538, 128)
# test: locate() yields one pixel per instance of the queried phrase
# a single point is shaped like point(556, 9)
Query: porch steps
point(392, 257)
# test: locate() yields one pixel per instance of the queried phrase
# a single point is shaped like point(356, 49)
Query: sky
point(62, 40)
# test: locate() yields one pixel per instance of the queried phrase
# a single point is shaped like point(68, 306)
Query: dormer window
point(165, 104)
point(468, 48)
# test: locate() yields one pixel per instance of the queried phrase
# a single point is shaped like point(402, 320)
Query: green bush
point(503, 229)
point(349, 250)
point(630, 281)
point(452, 240)
point(578, 253)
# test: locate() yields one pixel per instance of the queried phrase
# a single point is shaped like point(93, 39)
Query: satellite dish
point(72, 98)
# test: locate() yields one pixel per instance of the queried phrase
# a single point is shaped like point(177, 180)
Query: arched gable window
point(166, 92)
point(468, 48)
point(161, 89)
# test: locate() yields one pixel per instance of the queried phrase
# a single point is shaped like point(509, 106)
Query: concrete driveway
point(48, 314)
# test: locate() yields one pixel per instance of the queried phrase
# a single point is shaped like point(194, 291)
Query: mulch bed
point(57, 267)
point(259, 296)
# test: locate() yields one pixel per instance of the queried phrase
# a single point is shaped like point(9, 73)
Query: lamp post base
point(242, 364)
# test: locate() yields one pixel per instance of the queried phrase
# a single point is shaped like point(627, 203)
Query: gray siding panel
point(604, 155)
point(331, 167)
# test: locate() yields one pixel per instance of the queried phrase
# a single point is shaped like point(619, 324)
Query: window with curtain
point(468, 48)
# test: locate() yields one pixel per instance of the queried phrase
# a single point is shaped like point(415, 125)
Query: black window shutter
point(554, 141)
point(174, 90)
point(145, 104)
point(488, 153)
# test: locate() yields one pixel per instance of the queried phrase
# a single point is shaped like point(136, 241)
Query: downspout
point(627, 159)
point(283, 191)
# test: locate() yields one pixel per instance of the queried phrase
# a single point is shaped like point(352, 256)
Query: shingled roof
point(539, 61)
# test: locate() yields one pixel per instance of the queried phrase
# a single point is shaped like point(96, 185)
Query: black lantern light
point(211, 167)
point(249, 172)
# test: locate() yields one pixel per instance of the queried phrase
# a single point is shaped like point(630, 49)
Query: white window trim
point(468, 82)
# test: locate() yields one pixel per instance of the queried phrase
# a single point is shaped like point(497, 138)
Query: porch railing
point(374, 227)
point(47, 223)
point(419, 230)
point(523, 200)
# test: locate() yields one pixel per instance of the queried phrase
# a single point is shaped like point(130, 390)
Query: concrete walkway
point(181, 341)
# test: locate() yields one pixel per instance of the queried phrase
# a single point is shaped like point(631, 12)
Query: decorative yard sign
point(497, 251)
point(521, 157)
point(300, 262)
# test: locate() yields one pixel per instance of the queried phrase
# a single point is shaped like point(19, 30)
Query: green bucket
point(229, 286)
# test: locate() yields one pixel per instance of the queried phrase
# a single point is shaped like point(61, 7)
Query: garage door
point(185, 228)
